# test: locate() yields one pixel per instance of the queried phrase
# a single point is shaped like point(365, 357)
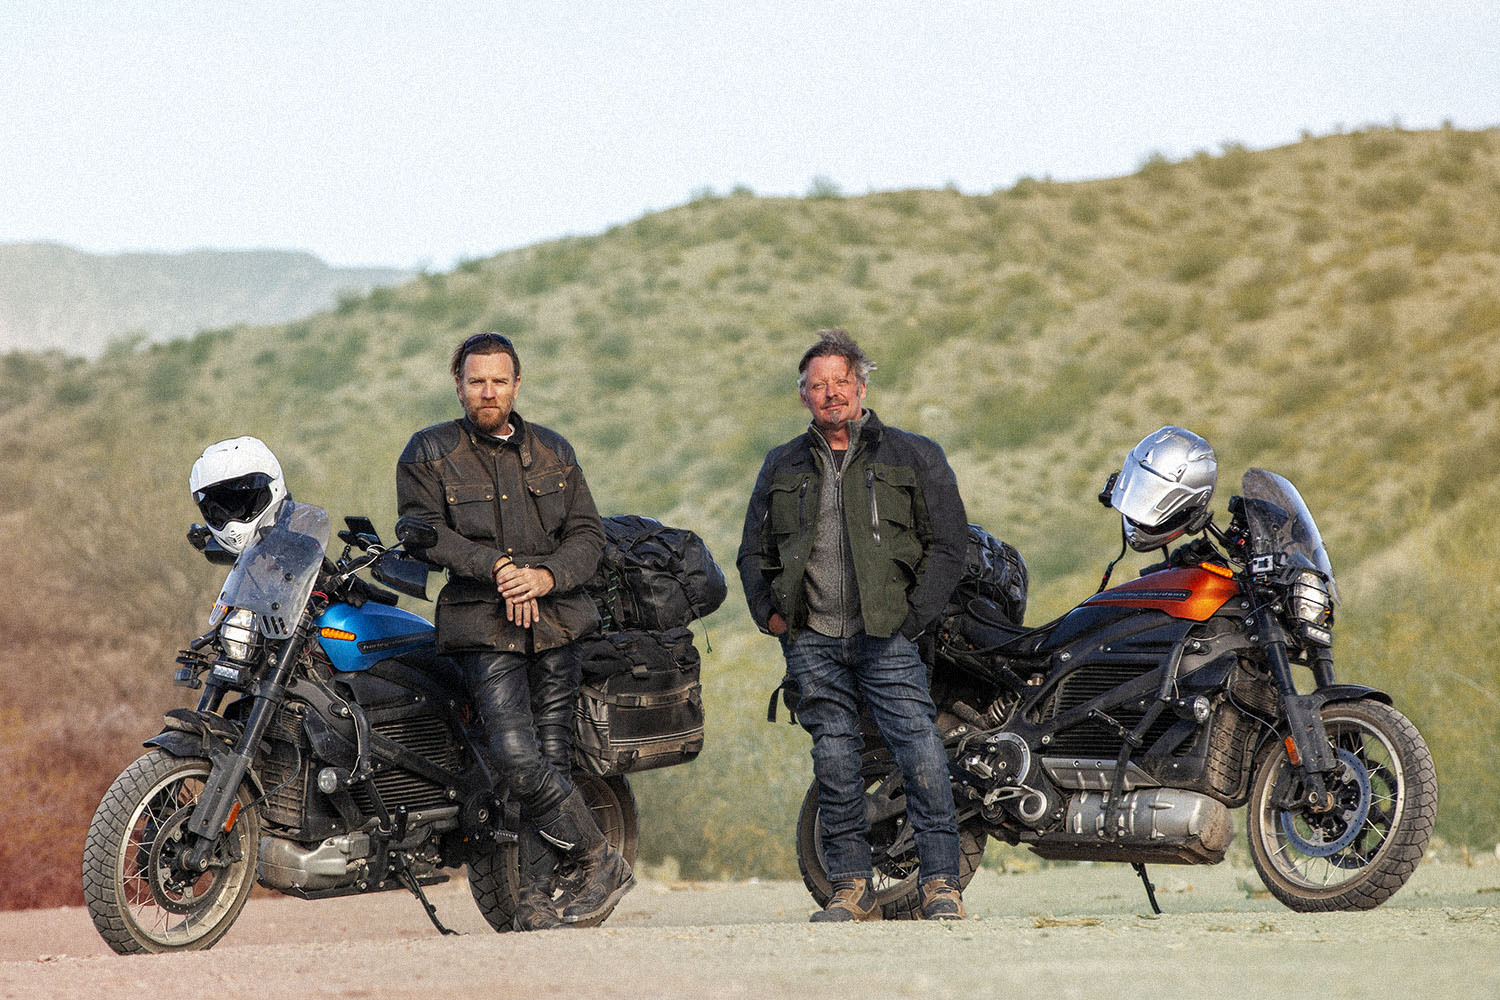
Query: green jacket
point(904, 519)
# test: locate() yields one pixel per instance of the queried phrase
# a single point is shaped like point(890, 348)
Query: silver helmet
point(238, 487)
point(1165, 487)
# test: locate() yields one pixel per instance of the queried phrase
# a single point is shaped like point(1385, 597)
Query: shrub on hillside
point(1235, 167)
point(1383, 282)
point(1391, 194)
point(1198, 257)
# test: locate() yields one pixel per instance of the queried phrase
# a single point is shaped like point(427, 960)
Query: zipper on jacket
point(801, 511)
point(874, 508)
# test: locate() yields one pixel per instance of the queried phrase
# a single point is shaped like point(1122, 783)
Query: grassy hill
point(53, 296)
point(1328, 310)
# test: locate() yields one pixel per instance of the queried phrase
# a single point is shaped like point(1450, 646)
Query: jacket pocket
point(789, 510)
point(549, 492)
point(891, 490)
point(471, 510)
point(468, 621)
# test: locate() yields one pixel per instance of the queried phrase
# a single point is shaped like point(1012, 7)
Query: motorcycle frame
point(1146, 716)
point(342, 737)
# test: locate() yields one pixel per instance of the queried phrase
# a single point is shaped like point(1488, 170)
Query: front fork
point(1307, 744)
point(217, 809)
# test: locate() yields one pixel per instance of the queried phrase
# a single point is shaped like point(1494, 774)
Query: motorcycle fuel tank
point(1192, 593)
point(358, 638)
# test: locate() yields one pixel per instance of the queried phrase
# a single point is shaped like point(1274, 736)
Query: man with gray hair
point(853, 541)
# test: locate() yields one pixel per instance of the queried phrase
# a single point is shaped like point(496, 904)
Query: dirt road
point(1083, 931)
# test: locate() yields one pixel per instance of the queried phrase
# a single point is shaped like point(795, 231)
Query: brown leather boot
point(941, 900)
point(853, 899)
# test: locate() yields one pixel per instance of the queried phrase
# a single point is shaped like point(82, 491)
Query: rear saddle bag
point(641, 702)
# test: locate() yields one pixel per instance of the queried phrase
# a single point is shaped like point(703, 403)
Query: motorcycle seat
point(984, 626)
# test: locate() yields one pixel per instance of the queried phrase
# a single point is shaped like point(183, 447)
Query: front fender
point(201, 732)
point(1352, 692)
point(189, 733)
point(179, 744)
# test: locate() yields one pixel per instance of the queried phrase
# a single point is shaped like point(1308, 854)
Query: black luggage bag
point(641, 702)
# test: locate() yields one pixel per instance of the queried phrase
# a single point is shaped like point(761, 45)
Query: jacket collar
point(521, 439)
point(869, 429)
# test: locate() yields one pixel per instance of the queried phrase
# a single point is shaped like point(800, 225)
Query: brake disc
point(1331, 832)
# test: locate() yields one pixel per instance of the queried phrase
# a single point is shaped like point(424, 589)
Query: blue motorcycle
point(331, 752)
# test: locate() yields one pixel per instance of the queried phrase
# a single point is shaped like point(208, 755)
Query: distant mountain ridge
point(56, 297)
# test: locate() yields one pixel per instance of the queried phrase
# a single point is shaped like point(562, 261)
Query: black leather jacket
point(525, 498)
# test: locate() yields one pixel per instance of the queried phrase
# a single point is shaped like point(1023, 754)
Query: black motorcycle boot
point(942, 899)
point(853, 899)
point(535, 908)
point(603, 876)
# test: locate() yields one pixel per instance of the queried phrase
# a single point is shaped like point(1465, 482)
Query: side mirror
point(1109, 488)
point(204, 541)
point(415, 533)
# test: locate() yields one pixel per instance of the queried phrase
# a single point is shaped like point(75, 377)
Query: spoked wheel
point(495, 877)
point(1357, 854)
point(893, 853)
point(138, 896)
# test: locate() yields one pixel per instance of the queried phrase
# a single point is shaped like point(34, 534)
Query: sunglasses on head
point(487, 338)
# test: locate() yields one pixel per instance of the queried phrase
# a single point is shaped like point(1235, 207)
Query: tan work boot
point(853, 899)
point(941, 900)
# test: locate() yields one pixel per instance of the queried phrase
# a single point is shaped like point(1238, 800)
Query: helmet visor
point(1150, 499)
point(240, 499)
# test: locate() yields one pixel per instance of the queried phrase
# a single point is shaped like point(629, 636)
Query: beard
point(490, 421)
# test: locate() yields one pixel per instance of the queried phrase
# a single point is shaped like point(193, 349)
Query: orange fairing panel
point(1193, 593)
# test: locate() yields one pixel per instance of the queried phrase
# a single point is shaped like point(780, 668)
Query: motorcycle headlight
point(1312, 607)
point(238, 636)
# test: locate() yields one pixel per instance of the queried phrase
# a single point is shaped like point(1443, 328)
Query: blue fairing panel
point(380, 631)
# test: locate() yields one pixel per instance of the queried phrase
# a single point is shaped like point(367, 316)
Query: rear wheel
point(139, 898)
point(495, 877)
point(893, 855)
point(1356, 855)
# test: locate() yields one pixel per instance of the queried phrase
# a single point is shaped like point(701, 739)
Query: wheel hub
point(173, 888)
point(1327, 833)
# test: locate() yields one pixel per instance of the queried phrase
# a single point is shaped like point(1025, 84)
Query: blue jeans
point(833, 674)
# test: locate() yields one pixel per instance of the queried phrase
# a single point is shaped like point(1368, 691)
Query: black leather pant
point(526, 701)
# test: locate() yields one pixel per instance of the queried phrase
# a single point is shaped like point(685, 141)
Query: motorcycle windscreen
point(1281, 526)
point(274, 577)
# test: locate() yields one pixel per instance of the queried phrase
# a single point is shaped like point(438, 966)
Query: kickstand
point(1140, 870)
point(410, 881)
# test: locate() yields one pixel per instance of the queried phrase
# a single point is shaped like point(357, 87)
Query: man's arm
point(944, 529)
point(577, 556)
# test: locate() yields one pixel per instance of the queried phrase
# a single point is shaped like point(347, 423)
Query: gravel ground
point(1076, 931)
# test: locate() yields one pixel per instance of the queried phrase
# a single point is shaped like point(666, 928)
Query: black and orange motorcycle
point(1129, 728)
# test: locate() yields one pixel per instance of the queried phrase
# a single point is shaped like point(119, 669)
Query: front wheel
point(893, 853)
point(140, 900)
point(495, 876)
point(1356, 855)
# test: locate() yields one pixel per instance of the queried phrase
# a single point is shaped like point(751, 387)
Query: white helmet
point(1164, 489)
point(238, 487)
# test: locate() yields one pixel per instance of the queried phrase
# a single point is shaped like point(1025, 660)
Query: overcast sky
point(419, 134)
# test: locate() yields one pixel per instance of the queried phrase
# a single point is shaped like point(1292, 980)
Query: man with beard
point(853, 541)
point(519, 535)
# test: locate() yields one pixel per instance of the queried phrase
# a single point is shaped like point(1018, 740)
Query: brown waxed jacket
point(525, 498)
